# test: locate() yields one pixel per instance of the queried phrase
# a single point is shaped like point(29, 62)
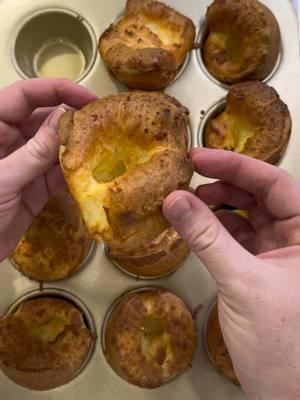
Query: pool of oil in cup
point(59, 58)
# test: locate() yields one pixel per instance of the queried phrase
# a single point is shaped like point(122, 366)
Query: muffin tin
point(205, 341)
point(134, 276)
point(41, 32)
point(107, 321)
point(70, 298)
point(83, 264)
point(101, 283)
point(202, 37)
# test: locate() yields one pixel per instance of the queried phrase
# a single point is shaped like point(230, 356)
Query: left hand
point(29, 168)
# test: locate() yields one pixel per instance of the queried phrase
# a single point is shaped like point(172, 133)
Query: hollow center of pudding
point(155, 340)
point(152, 327)
point(234, 131)
point(46, 331)
point(231, 42)
point(168, 35)
point(117, 160)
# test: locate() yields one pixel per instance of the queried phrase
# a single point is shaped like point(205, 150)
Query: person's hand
point(29, 170)
point(255, 262)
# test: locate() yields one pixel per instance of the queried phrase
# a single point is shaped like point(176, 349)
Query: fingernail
point(52, 120)
point(179, 210)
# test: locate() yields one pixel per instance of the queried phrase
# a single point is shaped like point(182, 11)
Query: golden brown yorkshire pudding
point(158, 258)
point(243, 40)
point(56, 244)
point(121, 156)
point(255, 122)
point(150, 337)
point(43, 343)
point(146, 48)
point(216, 347)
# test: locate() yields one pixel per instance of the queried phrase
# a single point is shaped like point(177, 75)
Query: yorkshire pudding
point(156, 259)
point(43, 343)
point(150, 337)
point(255, 122)
point(146, 48)
point(216, 347)
point(121, 156)
point(56, 244)
point(242, 42)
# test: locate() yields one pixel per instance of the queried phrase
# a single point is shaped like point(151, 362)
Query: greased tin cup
point(200, 40)
point(83, 264)
point(54, 42)
point(152, 336)
point(215, 346)
point(86, 319)
point(101, 283)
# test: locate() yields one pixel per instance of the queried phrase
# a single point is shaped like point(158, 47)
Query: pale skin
point(29, 169)
point(255, 263)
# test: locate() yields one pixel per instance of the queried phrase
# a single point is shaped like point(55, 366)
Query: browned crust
point(137, 55)
point(37, 365)
point(55, 244)
point(124, 331)
point(258, 27)
point(217, 348)
point(151, 118)
point(135, 205)
point(261, 107)
point(160, 257)
point(133, 200)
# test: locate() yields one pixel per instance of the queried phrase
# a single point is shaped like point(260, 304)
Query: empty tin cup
point(54, 43)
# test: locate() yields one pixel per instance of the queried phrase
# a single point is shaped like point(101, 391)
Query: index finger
point(20, 99)
point(276, 188)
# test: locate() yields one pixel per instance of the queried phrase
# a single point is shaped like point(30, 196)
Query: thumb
point(206, 236)
point(33, 159)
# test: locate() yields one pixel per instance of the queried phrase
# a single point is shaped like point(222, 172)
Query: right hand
point(255, 263)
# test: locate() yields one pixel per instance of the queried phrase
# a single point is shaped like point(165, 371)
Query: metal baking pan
point(99, 284)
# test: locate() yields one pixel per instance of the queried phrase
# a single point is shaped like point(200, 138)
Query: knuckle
point(63, 84)
point(202, 237)
point(38, 149)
